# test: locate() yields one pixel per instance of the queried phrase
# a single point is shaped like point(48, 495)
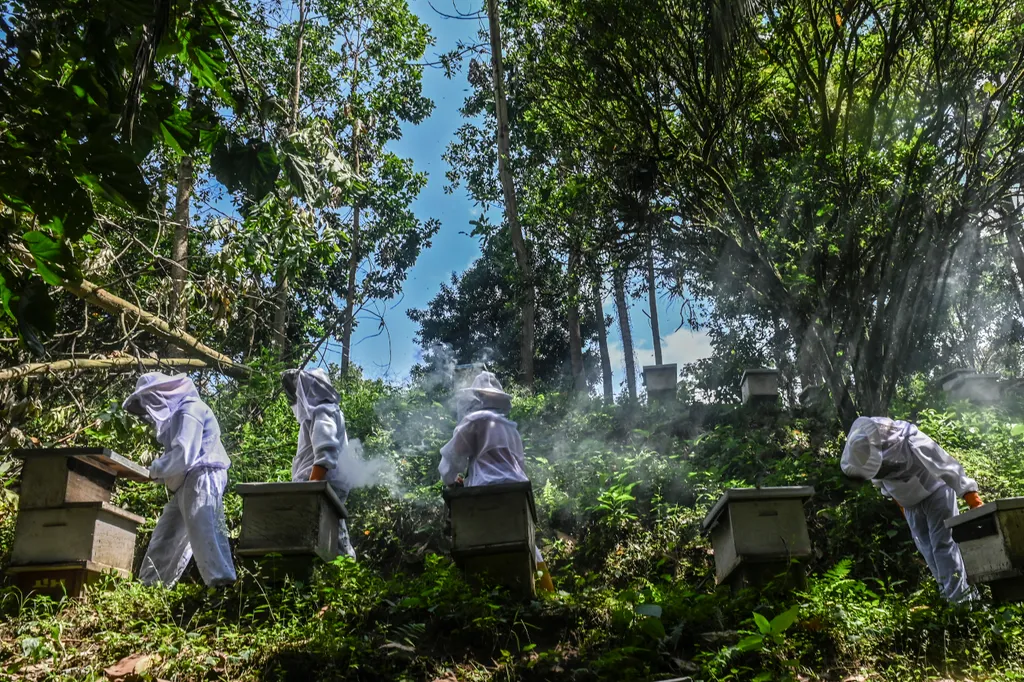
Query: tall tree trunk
point(350, 291)
point(177, 312)
point(652, 295)
point(602, 342)
point(281, 294)
point(619, 281)
point(529, 304)
point(1017, 253)
point(579, 379)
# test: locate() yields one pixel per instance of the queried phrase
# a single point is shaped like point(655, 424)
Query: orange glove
point(318, 473)
point(973, 500)
point(902, 510)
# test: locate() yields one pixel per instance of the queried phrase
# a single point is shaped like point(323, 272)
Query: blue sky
point(391, 355)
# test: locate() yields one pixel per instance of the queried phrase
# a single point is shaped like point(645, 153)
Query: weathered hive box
point(56, 476)
point(980, 389)
point(493, 533)
point(294, 519)
point(756, 532)
point(759, 385)
point(661, 381)
point(991, 540)
point(67, 533)
point(59, 580)
point(80, 532)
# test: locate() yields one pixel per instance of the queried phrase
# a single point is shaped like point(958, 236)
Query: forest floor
point(620, 495)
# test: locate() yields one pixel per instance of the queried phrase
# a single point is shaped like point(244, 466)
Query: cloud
point(681, 347)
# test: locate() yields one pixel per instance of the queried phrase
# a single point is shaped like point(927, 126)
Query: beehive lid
point(292, 488)
point(462, 492)
point(751, 494)
point(118, 465)
point(955, 374)
point(756, 372)
point(1004, 504)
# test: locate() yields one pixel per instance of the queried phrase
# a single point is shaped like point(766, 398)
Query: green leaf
point(529, 647)
point(652, 610)
point(1017, 430)
point(652, 627)
point(784, 620)
point(762, 623)
point(53, 258)
point(750, 643)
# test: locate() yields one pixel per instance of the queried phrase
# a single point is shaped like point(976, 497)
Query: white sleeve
point(184, 451)
point(327, 435)
point(941, 465)
point(455, 454)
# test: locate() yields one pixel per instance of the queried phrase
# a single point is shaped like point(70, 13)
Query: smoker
point(68, 534)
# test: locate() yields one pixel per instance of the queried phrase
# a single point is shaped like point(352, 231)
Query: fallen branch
point(190, 345)
point(119, 364)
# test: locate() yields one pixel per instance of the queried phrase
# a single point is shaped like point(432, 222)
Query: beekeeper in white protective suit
point(322, 437)
point(912, 469)
point(194, 467)
point(486, 444)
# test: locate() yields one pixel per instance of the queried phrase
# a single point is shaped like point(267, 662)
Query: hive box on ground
point(61, 579)
point(53, 477)
point(661, 381)
point(980, 389)
point(759, 385)
point(296, 520)
point(493, 533)
point(93, 532)
point(991, 540)
point(757, 532)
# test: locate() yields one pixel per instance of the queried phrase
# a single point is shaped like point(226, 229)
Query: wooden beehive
point(757, 532)
point(759, 385)
point(980, 389)
point(493, 533)
point(91, 532)
point(59, 580)
point(991, 540)
point(68, 534)
point(661, 381)
point(297, 519)
point(53, 477)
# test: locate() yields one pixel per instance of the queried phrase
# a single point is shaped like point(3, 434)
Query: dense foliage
point(620, 493)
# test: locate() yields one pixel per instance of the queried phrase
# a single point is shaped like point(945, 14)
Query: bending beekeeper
point(487, 445)
point(322, 437)
point(912, 469)
point(194, 467)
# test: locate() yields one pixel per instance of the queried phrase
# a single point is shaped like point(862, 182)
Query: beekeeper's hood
point(868, 439)
point(157, 397)
point(484, 394)
point(307, 390)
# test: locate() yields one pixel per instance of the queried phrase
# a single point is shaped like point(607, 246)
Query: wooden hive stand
point(287, 528)
point(493, 533)
point(68, 534)
point(991, 540)
point(756, 533)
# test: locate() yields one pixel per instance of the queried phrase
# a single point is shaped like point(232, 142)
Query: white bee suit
point(485, 441)
point(911, 468)
point(194, 468)
point(322, 437)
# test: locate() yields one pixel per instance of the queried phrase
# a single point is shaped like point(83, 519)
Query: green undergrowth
point(620, 494)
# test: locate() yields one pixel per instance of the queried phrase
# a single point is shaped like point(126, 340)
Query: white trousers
point(192, 523)
point(935, 542)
